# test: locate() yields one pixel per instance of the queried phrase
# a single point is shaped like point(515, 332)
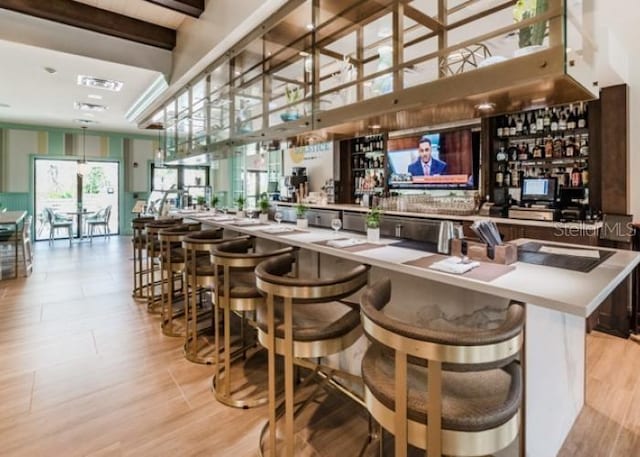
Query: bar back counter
point(558, 302)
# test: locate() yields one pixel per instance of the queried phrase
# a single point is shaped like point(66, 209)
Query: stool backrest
point(204, 240)
point(273, 277)
point(470, 349)
point(237, 254)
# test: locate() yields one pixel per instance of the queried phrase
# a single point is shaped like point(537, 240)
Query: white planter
point(264, 217)
point(302, 223)
point(373, 235)
point(240, 214)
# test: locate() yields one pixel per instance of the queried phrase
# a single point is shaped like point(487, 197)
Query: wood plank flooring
point(86, 371)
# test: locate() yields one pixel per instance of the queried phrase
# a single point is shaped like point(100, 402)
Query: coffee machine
point(296, 185)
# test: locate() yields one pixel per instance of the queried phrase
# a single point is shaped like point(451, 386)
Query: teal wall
point(55, 144)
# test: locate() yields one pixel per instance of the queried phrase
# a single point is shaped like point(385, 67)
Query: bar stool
point(303, 318)
point(456, 392)
point(200, 276)
point(139, 243)
point(154, 299)
point(172, 266)
point(236, 292)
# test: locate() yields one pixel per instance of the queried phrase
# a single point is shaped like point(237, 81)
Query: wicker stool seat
point(454, 392)
point(303, 318)
point(236, 292)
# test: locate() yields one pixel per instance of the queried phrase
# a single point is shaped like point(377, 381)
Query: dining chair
point(23, 239)
point(101, 219)
point(58, 222)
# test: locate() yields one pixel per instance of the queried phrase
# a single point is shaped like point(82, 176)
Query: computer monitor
point(539, 190)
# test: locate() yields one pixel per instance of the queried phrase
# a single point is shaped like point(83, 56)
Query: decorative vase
point(240, 214)
point(264, 217)
point(302, 223)
point(373, 234)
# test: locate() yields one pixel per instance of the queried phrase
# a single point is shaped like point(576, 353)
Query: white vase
point(373, 234)
point(302, 223)
point(264, 217)
point(240, 214)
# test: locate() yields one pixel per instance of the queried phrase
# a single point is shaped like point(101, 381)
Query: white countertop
point(559, 289)
point(452, 217)
point(12, 217)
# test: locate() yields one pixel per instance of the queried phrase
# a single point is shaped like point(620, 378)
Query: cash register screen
point(539, 189)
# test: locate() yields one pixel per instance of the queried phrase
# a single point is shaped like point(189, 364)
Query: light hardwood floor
point(86, 371)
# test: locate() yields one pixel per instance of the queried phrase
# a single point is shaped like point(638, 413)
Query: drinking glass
point(336, 224)
point(277, 216)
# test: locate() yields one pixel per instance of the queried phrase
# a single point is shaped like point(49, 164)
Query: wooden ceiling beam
point(422, 18)
point(193, 8)
point(96, 20)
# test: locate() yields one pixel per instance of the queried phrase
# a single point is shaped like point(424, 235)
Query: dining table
point(80, 217)
point(12, 220)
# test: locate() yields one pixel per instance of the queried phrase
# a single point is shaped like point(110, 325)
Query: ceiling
point(35, 96)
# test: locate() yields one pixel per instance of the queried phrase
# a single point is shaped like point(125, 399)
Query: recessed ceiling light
point(95, 96)
point(98, 83)
point(82, 106)
point(5, 105)
point(84, 121)
point(374, 126)
point(50, 70)
point(486, 106)
point(310, 27)
point(303, 54)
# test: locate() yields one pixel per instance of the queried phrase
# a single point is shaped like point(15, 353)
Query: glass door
point(60, 188)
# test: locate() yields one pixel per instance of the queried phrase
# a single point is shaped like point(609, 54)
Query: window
point(180, 177)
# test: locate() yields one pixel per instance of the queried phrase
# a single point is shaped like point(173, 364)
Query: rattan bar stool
point(172, 268)
point(201, 278)
point(139, 244)
point(454, 392)
point(302, 318)
point(235, 262)
point(155, 287)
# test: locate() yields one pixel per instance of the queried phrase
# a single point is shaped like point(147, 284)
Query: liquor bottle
point(525, 124)
point(554, 121)
point(515, 177)
point(512, 126)
point(499, 126)
point(515, 154)
point(572, 120)
point(584, 146)
point(576, 176)
point(523, 153)
point(582, 116)
point(562, 123)
point(537, 152)
point(507, 178)
point(519, 124)
point(585, 176)
point(546, 121)
point(562, 177)
point(501, 155)
point(570, 148)
point(499, 176)
point(533, 125)
point(540, 122)
point(548, 148)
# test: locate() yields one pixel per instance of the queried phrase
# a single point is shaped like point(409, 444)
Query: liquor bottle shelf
point(368, 168)
point(556, 161)
point(541, 136)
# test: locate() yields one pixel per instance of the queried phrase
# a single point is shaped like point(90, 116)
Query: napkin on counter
point(345, 243)
point(454, 265)
point(278, 229)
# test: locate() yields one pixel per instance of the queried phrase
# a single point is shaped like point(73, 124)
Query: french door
point(71, 196)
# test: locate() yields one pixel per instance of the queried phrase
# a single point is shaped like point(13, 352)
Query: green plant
point(240, 202)
point(263, 203)
point(214, 201)
point(373, 218)
point(200, 200)
point(532, 34)
point(301, 210)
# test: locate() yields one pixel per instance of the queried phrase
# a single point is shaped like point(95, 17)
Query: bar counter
point(557, 304)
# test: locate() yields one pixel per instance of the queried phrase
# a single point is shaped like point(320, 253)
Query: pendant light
point(159, 154)
point(83, 166)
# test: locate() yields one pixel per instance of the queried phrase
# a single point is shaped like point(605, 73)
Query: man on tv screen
point(426, 165)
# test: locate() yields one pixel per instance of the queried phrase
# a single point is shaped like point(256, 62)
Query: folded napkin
point(222, 218)
point(345, 243)
point(454, 265)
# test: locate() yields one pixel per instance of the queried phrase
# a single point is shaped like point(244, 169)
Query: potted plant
point(301, 215)
point(200, 202)
point(292, 95)
point(214, 202)
point(373, 224)
point(530, 37)
point(240, 204)
point(263, 203)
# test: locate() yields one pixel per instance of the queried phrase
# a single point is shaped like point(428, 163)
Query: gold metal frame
point(153, 263)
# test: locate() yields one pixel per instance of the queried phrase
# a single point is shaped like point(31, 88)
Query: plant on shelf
point(200, 202)
point(292, 95)
point(240, 204)
point(530, 37)
point(373, 224)
point(214, 202)
point(301, 213)
point(263, 203)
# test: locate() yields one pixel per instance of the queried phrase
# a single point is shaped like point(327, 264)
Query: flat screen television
point(435, 160)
